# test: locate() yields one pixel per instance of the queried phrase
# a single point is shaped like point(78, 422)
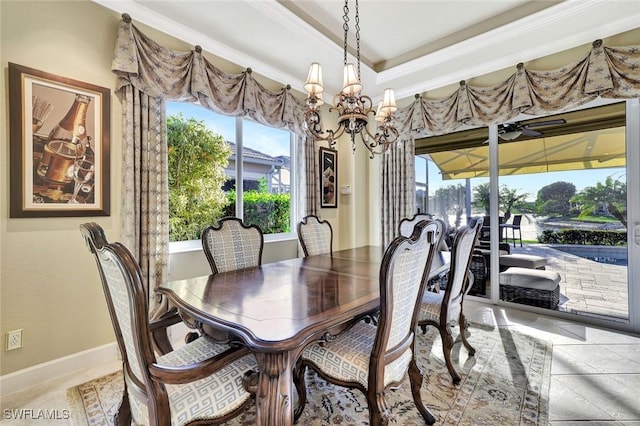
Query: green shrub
point(584, 237)
point(271, 212)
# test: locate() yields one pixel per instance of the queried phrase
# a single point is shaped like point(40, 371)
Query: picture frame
point(328, 178)
point(59, 145)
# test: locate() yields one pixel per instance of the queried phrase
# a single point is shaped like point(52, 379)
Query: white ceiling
point(413, 46)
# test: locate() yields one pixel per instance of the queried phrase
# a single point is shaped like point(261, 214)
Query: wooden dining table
point(276, 309)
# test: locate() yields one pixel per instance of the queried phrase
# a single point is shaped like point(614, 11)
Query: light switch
point(345, 189)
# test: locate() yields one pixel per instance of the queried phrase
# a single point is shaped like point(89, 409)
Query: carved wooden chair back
point(232, 245)
point(201, 380)
point(315, 235)
point(376, 358)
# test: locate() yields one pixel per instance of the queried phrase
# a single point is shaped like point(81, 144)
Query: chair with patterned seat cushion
point(229, 245)
point(439, 265)
point(202, 381)
point(232, 245)
point(444, 310)
point(375, 358)
point(315, 235)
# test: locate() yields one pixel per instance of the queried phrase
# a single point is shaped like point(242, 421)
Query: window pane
point(198, 156)
point(266, 177)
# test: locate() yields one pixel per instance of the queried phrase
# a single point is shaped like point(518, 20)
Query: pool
point(601, 254)
point(608, 260)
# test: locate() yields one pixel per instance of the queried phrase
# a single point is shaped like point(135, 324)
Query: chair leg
point(415, 378)
point(378, 410)
point(520, 235)
point(464, 326)
point(123, 416)
point(301, 388)
point(447, 346)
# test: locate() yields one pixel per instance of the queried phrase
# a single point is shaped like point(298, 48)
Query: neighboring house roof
point(252, 156)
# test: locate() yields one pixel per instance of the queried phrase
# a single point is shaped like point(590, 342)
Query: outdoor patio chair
point(514, 226)
point(372, 358)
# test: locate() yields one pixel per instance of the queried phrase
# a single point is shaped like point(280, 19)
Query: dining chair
point(444, 310)
point(375, 358)
point(405, 228)
point(231, 245)
point(315, 235)
point(202, 381)
point(439, 265)
point(228, 245)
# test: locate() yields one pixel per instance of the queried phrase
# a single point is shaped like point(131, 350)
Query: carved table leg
point(274, 405)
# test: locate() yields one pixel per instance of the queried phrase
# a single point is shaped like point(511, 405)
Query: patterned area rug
point(505, 383)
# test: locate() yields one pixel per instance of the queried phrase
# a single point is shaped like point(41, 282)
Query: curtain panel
point(148, 76)
point(607, 72)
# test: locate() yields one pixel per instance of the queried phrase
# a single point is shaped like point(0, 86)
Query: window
point(254, 154)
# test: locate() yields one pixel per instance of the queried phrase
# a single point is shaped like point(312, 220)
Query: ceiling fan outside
point(511, 131)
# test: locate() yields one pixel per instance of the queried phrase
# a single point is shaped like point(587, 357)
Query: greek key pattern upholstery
point(139, 410)
point(213, 396)
point(315, 236)
point(117, 283)
point(430, 307)
point(407, 275)
point(347, 357)
point(233, 246)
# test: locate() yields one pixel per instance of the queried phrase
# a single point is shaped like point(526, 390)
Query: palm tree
point(509, 198)
point(612, 195)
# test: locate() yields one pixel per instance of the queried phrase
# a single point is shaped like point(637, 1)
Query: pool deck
point(587, 287)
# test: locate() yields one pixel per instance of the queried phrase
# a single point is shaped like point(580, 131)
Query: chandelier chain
point(358, 38)
point(345, 27)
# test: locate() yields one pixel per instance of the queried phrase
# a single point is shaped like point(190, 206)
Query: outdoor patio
point(587, 287)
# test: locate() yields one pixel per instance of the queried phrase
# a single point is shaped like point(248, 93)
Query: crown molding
point(161, 23)
point(565, 11)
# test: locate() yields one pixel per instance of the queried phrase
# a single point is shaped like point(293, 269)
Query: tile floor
point(595, 373)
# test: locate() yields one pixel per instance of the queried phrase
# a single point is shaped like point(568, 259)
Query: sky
point(526, 183)
point(276, 142)
point(262, 138)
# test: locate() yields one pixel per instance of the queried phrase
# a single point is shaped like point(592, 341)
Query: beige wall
point(48, 280)
point(49, 283)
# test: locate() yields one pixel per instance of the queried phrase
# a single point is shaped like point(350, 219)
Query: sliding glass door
point(562, 194)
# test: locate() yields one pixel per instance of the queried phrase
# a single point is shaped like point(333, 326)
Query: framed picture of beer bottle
point(59, 145)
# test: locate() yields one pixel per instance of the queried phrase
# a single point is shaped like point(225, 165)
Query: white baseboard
point(23, 379)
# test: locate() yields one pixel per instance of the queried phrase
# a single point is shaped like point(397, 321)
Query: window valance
point(187, 76)
point(608, 72)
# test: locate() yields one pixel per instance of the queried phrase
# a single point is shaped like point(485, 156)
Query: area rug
point(505, 383)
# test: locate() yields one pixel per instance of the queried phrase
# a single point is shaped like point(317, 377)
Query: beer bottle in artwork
point(66, 143)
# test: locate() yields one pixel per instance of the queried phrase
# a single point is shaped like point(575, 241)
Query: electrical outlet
point(14, 339)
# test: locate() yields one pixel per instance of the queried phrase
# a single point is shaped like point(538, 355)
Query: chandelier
point(354, 109)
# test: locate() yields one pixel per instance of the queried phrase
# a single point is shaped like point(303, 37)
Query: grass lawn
point(593, 219)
